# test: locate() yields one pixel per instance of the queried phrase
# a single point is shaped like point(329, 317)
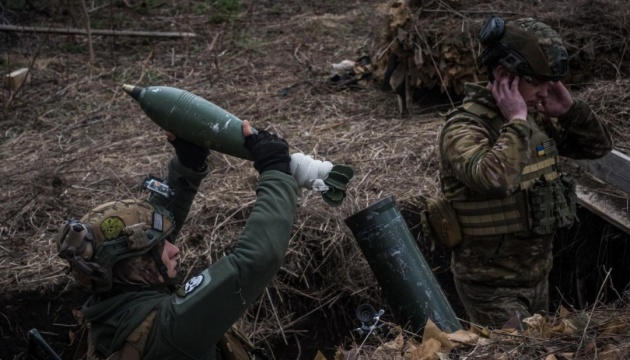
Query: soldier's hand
point(190, 155)
point(247, 128)
point(558, 101)
point(508, 98)
point(269, 151)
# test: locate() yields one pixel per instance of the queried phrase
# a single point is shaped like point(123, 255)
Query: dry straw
point(71, 141)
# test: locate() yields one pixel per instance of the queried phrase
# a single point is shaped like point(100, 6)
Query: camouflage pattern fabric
point(540, 45)
point(492, 306)
point(479, 163)
point(475, 162)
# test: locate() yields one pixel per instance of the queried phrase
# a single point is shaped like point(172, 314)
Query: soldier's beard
point(137, 270)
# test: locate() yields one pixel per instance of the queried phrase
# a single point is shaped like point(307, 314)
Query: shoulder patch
point(190, 285)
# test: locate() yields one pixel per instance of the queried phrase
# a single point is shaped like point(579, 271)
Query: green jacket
point(478, 164)
point(191, 321)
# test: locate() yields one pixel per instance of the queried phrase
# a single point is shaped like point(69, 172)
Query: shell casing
point(192, 118)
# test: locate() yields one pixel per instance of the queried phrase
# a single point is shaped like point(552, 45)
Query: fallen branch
point(88, 29)
point(74, 31)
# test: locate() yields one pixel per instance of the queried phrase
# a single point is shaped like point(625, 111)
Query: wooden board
point(613, 168)
point(604, 187)
point(613, 209)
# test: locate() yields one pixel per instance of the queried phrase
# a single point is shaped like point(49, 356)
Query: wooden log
point(106, 32)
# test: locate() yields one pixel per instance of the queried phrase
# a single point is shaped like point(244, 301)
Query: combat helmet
point(526, 47)
point(110, 233)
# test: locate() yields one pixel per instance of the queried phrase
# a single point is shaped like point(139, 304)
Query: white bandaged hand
point(310, 173)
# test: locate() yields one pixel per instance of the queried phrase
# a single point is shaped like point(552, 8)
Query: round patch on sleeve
point(191, 285)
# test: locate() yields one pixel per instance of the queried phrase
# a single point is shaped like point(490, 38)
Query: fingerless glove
point(269, 151)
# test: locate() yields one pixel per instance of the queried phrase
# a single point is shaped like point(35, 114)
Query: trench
point(583, 255)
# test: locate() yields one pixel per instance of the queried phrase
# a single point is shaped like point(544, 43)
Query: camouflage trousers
point(492, 306)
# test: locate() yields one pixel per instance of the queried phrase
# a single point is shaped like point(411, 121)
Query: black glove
point(190, 155)
point(269, 152)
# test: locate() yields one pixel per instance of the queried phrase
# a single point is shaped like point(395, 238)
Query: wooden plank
point(613, 168)
point(612, 209)
point(15, 79)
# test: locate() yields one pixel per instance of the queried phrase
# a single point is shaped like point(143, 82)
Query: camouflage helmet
point(108, 234)
point(527, 47)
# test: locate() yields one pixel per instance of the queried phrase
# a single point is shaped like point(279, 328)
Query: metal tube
point(407, 282)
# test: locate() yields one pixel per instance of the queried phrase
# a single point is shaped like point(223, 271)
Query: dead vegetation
point(71, 139)
point(433, 44)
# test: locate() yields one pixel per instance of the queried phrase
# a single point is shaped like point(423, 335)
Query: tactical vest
point(233, 345)
point(132, 349)
point(544, 201)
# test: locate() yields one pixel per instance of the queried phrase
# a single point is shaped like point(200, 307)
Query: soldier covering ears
point(498, 171)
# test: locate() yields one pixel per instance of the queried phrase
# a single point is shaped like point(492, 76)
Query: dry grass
point(72, 139)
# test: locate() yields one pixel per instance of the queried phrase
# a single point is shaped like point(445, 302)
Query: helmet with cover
point(527, 47)
point(109, 234)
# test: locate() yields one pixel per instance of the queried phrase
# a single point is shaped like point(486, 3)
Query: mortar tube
point(407, 282)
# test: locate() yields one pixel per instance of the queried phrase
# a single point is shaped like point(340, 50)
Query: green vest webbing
point(510, 214)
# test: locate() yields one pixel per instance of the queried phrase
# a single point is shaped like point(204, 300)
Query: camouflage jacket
point(477, 163)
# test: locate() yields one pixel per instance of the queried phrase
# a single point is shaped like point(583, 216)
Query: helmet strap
point(157, 257)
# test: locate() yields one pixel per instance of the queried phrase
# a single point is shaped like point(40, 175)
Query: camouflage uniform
point(189, 323)
point(482, 156)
